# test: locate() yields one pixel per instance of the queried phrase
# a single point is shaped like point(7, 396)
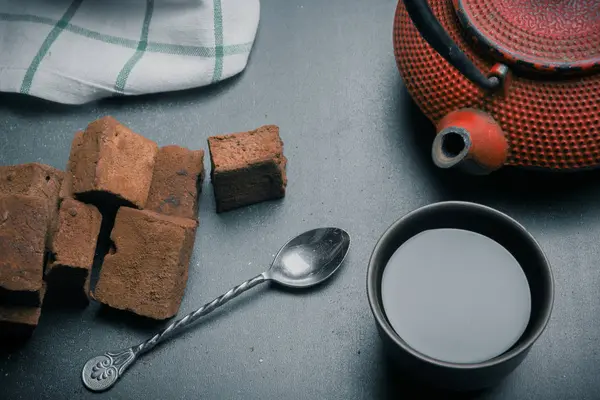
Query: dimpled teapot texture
point(548, 113)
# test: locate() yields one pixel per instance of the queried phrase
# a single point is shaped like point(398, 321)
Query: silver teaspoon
point(304, 261)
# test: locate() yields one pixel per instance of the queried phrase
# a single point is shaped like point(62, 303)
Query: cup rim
point(379, 314)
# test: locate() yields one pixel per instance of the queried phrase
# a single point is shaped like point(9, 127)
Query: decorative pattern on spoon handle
point(101, 372)
point(189, 319)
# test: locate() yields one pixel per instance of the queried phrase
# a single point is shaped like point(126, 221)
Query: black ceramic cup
point(497, 226)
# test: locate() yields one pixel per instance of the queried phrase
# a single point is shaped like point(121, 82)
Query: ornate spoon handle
point(102, 372)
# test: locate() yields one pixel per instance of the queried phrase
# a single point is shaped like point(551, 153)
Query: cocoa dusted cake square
point(66, 187)
point(23, 231)
point(73, 248)
point(19, 322)
point(247, 167)
point(33, 179)
point(109, 163)
point(146, 272)
point(176, 182)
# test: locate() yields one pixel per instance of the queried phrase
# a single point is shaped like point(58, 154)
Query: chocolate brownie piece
point(73, 247)
point(66, 187)
point(177, 181)
point(23, 228)
point(33, 179)
point(247, 167)
point(111, 163)
point(19, 322)
point(146, 273)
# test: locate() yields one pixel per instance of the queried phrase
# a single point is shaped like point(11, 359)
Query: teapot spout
point(471, 140)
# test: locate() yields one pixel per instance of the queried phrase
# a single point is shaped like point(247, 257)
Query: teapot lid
point(552, 36)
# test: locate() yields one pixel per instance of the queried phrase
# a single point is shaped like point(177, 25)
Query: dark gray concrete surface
point(358, 153)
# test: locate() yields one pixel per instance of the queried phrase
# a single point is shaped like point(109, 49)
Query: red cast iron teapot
point(507, 82)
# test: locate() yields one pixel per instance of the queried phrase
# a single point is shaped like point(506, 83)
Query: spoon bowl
point(310, 258)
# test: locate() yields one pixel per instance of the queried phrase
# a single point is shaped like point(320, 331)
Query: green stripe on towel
point(142, 45)
point(218, 17)
point(45, 47)
point(153, 47)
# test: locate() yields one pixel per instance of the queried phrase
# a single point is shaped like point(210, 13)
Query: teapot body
point(546, 120)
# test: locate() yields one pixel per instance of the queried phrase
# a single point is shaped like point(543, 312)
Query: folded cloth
point(76, 51)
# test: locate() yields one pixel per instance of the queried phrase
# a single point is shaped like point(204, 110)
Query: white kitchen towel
point(76, 51)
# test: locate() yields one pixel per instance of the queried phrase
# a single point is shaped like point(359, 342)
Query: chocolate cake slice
point(247, 167)
point(146, 273)
point(23, 229)
point(19, 322)
point(33, 179)
point(66, 187)
point(176, 182)
point(73, 247)
point(109, 163)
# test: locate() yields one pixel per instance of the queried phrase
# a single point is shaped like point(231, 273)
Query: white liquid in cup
point(456, 296)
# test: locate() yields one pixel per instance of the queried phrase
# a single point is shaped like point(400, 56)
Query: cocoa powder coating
point(23, 228)
point(109, 162)
point(66, 188)
point(176, 182)
point(33, 179)
point(73, 247)
point(18, 322)
point(148, 269)
point(247, 167)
